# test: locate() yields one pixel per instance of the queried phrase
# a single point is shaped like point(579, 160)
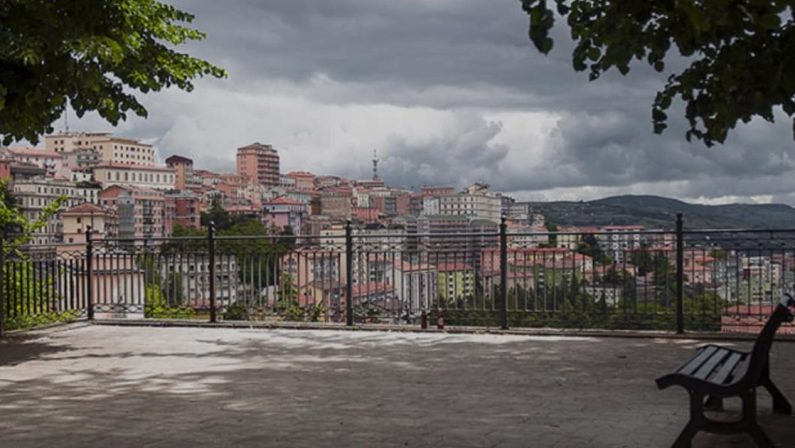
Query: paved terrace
point(88, 385)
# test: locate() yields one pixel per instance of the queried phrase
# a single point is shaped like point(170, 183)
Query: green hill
point(660, 212)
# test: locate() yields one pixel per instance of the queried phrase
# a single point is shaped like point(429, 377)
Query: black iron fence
point(622, 278)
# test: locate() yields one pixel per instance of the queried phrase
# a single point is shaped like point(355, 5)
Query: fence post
point(211, 246)
point(348, 274)
point(680, 274)
point(89, 274)
point(504, 274)
point(2, 283)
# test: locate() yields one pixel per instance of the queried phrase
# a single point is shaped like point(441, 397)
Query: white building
point(138, 176)
point(33, 195)
point(51, 162)
point(185, 280)
point(618, 240)
point(475, 202)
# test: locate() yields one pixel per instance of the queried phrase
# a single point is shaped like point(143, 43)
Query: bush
point(156, 307)
point(235, 311)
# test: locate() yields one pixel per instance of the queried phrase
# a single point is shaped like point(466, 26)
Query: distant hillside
point(660, 212)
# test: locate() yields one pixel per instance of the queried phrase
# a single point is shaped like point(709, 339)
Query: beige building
point(103, 221)
point(112, 149)
point(152, 177)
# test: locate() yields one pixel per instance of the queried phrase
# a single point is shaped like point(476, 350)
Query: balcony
point(94, 385)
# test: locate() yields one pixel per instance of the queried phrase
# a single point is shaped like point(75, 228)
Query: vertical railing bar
point(211, 247)
point(680, 275)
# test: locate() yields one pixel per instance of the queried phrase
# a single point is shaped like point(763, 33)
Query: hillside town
point(416, 247)
point(142, 199)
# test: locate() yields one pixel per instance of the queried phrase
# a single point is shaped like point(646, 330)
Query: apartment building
point(51, 162)
point(103, 221)
point(136, 176)
point(260, 163)
point(303, 181)
point(618, 240)
point(142, 212)
point(183, 171)
point(282, 212)
point(33, 195)
point(185, 207)
point(456, 280)
point(474, 202)
point(82, 159)
point(335, 203)
point(186, 280)
point(112, 149)
point(416, 284)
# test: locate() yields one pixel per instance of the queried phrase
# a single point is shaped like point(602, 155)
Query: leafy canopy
point(740, 53)
point(90, 54)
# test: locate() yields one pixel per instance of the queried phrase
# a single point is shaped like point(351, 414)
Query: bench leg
point(780, 403)
point(696, 421)
point(685, 438)
point(750, 423)
point(759, 436)
point(714, 403)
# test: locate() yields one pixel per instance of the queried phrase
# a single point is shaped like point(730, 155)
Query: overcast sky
point(448, 92)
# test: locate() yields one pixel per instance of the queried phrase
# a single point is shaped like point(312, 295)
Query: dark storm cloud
point(301, 70)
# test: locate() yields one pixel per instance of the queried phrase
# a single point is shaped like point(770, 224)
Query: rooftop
point(91, 385)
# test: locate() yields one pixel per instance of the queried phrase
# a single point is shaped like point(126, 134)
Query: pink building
point(367, 215)
point(304, 181)
point(142, 213)
point(5, 169)
point(186, 209)
point(282, 212)
point(260, 163)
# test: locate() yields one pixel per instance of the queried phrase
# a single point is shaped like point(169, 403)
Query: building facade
point(138, 176)
point(259, 163)
point(112, 149)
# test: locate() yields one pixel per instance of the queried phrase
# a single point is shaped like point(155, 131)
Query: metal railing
point(694, 280)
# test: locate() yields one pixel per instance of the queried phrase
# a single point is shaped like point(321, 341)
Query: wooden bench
point(715, 373)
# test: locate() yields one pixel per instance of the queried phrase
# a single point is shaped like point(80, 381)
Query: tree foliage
point(216, 214)
point(739, 53)
point(92, 55)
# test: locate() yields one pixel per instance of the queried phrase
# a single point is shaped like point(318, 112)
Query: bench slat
point(742, 368)
point(727, 368)
point(696, 362)
point(703, 372)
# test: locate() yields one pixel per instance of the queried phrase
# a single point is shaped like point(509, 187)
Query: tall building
point(259, 163)
point(183, 168)
point(112, 149)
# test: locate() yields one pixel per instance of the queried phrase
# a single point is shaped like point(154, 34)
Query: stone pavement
point(103, 386)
